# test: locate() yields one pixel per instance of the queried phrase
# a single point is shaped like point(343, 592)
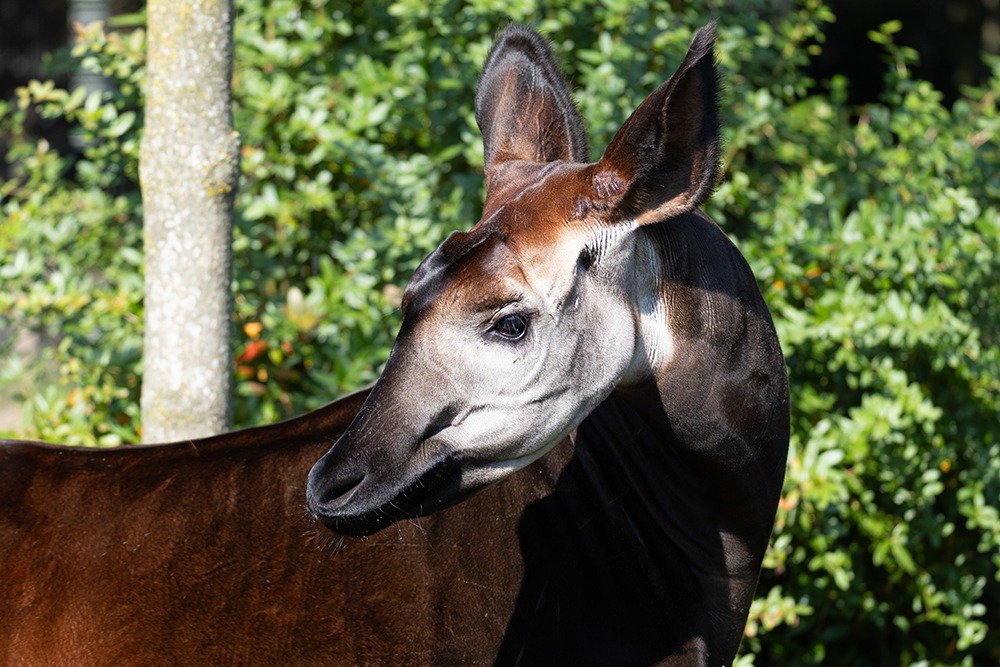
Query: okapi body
point(201, 553)
point(594, 329)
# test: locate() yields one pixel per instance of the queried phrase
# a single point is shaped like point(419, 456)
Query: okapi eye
point(511, 327)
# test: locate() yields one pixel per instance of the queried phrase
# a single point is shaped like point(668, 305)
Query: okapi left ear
point(664, 161)
point(523, 105)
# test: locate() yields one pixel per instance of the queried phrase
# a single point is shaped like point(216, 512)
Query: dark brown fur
point(202, 553)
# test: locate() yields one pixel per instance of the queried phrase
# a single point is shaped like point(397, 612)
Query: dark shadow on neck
point(605, 581)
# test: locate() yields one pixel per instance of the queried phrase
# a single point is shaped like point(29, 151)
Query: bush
point(874, 233)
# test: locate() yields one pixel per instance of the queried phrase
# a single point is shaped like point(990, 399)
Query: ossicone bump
point(607, 184)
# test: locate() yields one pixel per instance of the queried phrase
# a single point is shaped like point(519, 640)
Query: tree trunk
point(189, 165)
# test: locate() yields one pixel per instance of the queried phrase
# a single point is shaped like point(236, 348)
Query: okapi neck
point(611, 575)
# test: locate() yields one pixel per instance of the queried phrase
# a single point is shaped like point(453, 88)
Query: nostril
point(340, 492)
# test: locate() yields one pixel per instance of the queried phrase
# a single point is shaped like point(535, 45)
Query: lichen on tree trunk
point(189, 165)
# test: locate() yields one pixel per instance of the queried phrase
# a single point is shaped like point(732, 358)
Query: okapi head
point(565, 290)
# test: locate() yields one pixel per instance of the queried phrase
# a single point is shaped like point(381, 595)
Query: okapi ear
point(664, 161)
point(523, 105)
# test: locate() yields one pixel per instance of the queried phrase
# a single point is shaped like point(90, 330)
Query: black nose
point(334, 496)
point(330, 489)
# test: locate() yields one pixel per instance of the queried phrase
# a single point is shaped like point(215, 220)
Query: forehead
point(524, 239)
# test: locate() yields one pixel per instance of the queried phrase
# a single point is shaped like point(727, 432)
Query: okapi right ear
point(664, 161)
point(523, 105)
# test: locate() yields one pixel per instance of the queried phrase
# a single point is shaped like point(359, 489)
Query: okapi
point(593, 322)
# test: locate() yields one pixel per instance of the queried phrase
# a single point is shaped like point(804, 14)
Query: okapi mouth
point(417, 499)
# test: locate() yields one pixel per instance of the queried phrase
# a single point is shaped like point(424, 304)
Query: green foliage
point(874, 233)
point(71, 241)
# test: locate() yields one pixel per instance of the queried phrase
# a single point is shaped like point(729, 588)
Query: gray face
point(516, 355)
point(501, 354)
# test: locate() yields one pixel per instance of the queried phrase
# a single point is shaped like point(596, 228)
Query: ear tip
point(702, 55)
point(708, 32)
point(514, 43)
point(518, 38)
point(703, 42)
point(513, 29)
